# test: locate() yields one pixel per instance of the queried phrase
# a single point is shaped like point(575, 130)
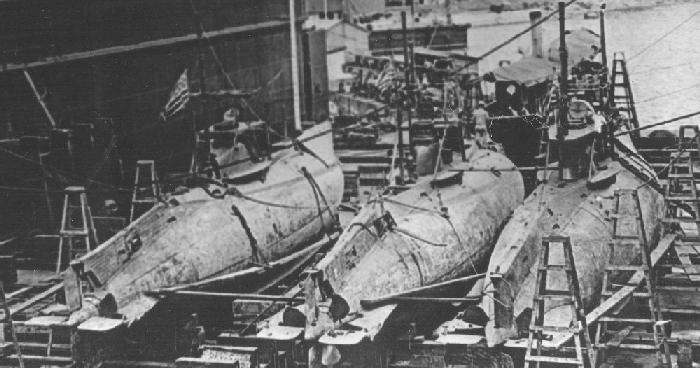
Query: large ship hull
point(571, 210)
point(438, 230)
point(202, 233)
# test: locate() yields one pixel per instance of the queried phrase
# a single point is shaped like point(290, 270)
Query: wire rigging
point(652, 44)
point(513, 38)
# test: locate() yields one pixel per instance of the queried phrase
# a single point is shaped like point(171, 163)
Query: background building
point(105, 69)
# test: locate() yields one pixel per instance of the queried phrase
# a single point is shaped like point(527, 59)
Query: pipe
point(295, 66)
point(399, 129)
point(603, 50)
point(412, 73)
point(537, 48)
point(563, 80)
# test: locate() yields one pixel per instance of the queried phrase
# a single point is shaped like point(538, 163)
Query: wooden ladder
point(614, 339)
point(144, 194)
point(680, 193)
point(534, 356)
point(71, 235)
point(8, 320)
point(621, 90)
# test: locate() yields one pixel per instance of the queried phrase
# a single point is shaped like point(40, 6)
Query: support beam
point(40, 99)
point(231, 296)
point(388, 299)
point(625, 292)
point(107, 51)
point(33, 300)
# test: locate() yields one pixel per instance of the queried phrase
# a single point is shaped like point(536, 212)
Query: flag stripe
point(179, 97)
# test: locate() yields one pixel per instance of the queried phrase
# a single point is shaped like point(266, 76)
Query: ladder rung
point(627, 320)
point(676, 175)
point(553, 296)
point(685, 220)
point(682, 199)
point(625, 268)
point(555, 239)
point(74, 233)
point(686, 311)
point(644, 347)
point(636, 295)
point(625, 237)
point(555, 267)
point(551, 359)
point(145, 201)
point(633, 241)
point(622, 216)
point(555, 329)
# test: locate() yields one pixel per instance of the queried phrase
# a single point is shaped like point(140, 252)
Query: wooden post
point(295, 65)
point(563, 79)
point(47, 197)
point(603, 50)
point(8, 317)
point(411, 95)
point(399, 123)
point(407, 75)
point(202, 85)
point(39, 98)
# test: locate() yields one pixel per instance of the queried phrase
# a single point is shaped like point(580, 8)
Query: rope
point(233, 191)
point(516, 36)
point(649, 70)
point(253, 242)
point(364, 227)
point(664, 35)
point(670, 93)
point(657, 124)
point(392, 201)
point(668, 166)
point(220, 64)
point(62, 175)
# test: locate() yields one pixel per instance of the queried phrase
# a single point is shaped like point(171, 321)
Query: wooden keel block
point(98, 339)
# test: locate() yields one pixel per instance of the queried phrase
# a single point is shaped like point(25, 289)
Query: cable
point(657, 124)
point(656, 175)
point(649, 70)
point(670, 93)
point(220, 64)
point(516, 36)
point(63, 175)
point(664, 35)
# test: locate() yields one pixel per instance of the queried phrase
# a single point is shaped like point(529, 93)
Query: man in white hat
point(242, 132)
point(480, 118)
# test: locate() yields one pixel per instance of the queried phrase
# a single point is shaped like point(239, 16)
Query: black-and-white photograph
point(349, 183)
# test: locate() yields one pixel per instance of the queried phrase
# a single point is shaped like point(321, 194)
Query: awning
point(579, 44)
point(527, 71)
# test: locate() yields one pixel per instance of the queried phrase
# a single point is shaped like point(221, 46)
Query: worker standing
point(480, 120)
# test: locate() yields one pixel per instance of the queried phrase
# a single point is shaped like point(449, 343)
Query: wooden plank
point(136, 364)
point(388, 299)
point(684, 251)
point(234, 296)
point(29, 302)
point(619, 337)
point(626, 291)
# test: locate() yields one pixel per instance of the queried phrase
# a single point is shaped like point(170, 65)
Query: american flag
point(179, 97)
